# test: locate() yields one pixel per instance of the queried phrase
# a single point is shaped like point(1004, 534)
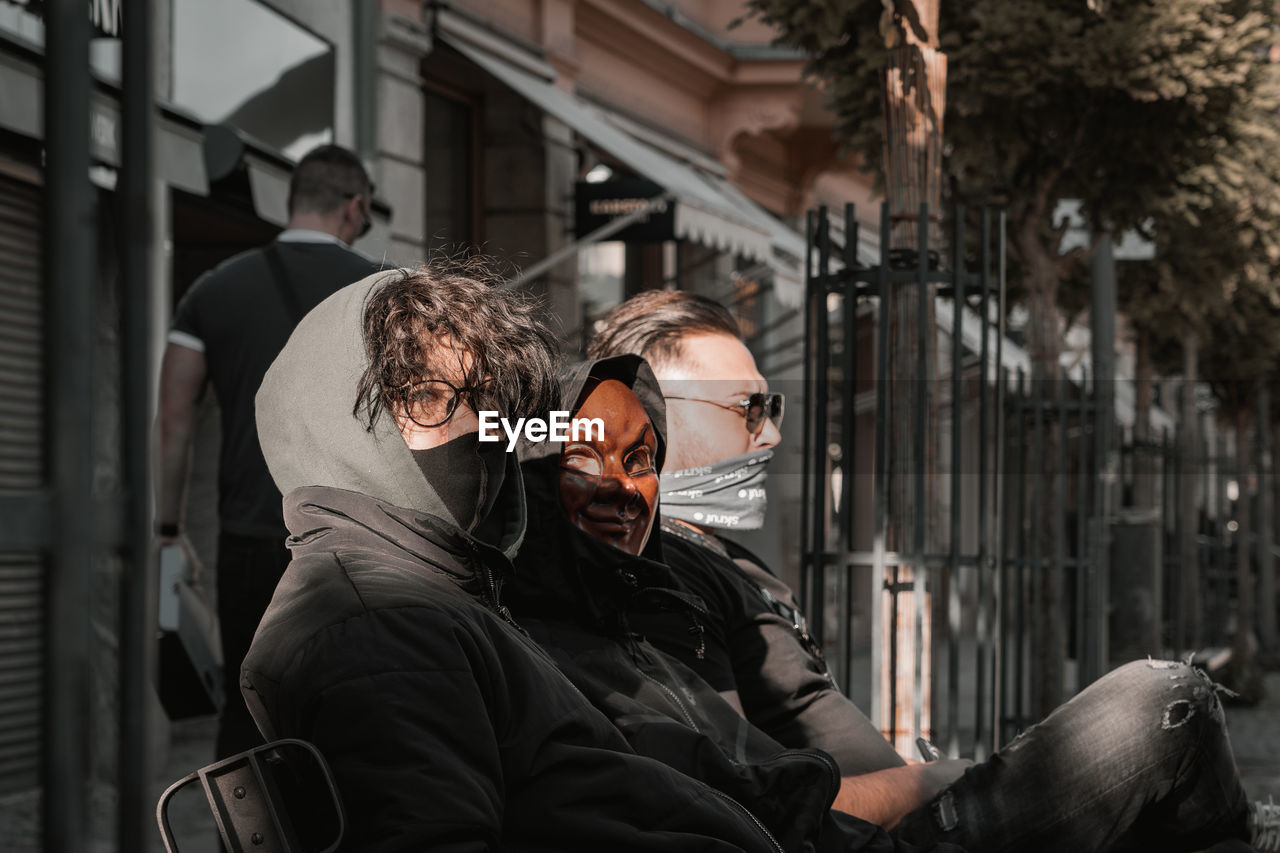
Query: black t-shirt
point(238, 316)
point(757, 643)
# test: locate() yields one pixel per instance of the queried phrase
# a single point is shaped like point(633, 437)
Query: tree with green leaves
point(1131, 107)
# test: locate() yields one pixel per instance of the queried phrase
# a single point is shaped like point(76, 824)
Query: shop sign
point(104, 133)
point(597, 204)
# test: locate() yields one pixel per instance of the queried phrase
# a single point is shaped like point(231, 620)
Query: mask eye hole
point(581, 460)
point(638, 461)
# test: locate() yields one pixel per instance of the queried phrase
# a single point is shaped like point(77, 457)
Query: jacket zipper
point(764, 830)
point(674, 698)
point(497, 606)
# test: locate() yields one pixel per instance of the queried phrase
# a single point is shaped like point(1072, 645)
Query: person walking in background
point(226, 331)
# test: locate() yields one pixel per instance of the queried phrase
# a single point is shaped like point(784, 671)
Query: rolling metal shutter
point(22, 469)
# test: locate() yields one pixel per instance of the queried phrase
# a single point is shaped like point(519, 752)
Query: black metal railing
point(889, 598)
point(965, 594)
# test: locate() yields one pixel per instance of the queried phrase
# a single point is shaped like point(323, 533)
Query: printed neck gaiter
point(728, 494)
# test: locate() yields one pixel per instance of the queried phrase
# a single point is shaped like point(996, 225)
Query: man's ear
point(352, 217)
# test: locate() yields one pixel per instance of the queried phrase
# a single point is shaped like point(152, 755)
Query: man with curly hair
point(387, 644)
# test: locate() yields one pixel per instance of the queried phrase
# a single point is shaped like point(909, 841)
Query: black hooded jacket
point(387, 646)
point(576, 596)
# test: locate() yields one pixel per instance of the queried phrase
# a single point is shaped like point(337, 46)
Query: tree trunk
point(1144, 447)
point(911, 529)
point(1187, 626)
point(1044, 341)
point(913, 88)
point(1242, 651)
point(1243, 674)
point(914, 85)
point(1273, 595)
point(1266, 510)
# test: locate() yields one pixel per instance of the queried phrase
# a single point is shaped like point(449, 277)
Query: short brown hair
point(652, 324)
point(513, 352)
point(326, 177)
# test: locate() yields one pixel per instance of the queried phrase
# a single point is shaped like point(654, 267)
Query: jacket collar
point(326, 518)
point(671, 527)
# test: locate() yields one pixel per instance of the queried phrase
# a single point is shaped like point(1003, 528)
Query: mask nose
point(620, 491)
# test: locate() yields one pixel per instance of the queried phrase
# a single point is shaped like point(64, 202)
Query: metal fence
point(964, 596)
point(891, 600)
point(1051, 598)
point(1211, 472)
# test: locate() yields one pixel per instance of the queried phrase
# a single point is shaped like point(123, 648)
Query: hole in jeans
point(1177, 714)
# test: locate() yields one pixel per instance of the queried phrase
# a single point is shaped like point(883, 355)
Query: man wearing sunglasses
point(226, 330)
point(1108, 770)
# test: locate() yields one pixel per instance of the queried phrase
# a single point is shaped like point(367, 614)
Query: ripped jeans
point(1139, 760)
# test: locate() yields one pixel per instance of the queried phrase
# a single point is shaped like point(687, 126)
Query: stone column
point(398, 166)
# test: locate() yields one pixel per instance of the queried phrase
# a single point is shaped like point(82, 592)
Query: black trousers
point(249, 568)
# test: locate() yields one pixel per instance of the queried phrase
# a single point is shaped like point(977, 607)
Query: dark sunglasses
point(754, 409)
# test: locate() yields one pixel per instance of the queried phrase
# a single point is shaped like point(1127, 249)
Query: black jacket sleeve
point(781, 682)
point(405, 718)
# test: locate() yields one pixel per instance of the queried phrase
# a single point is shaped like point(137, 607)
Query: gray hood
point(310, 436)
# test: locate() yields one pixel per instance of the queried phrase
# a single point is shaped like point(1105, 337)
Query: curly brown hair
point(514, 356)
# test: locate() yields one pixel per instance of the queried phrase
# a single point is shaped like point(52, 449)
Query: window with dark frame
point(277, 86)
point(450, 138)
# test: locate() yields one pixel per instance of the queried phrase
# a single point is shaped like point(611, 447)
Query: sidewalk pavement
point(191, 745)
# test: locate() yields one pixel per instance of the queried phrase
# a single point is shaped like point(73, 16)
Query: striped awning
point(709, 210)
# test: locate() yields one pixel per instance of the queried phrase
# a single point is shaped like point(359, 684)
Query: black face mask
point(466, 474)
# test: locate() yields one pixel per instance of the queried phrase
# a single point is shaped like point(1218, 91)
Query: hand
point(884, 797)
point(194, 568)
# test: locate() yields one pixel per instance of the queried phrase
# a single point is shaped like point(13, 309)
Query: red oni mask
point(609, 485)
